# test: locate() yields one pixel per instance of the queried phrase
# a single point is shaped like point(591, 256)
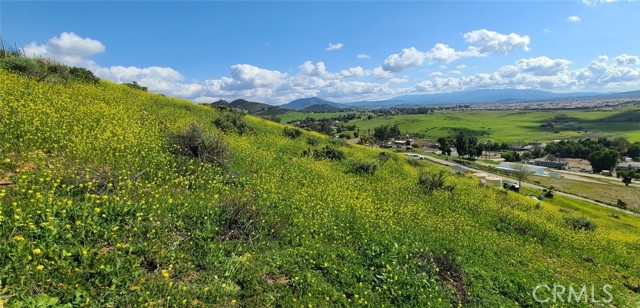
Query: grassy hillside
point(103, 208)
point(508, 125)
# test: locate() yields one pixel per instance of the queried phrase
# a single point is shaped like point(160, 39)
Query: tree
point(634, 150)
point(479, 148)
point(620, 144)
point(603, 160)
point(627, 176)
point(462, 144)
point(444, 145)
point(521, 173)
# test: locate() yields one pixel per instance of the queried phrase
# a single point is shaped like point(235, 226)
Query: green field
point(105, 208)
point(511, 126)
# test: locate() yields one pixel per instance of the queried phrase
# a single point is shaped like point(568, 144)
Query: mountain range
point(459, 97)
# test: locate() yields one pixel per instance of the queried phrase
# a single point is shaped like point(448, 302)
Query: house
point(511, 167)
point(628, 166)
point(562, 165)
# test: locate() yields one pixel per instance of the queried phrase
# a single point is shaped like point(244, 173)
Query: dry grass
point(606, 193)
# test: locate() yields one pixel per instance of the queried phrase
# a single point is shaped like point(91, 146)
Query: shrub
point(580, 223)
point(25, 66)
point(414, 162)
point(208, 148)
point(313, 141)
point(232, 122)
point(239, 219)
point(430, 182)
point(292, 133)
point(621, 204)
point(383, 157)
point(363, 168)
point(329, 153)
point(338, 142)
point(135, 85)
point(83, 75)
point(344, 136)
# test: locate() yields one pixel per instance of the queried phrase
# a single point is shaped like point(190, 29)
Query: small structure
point(635, 166)
point(494, 180)
point(511, 167)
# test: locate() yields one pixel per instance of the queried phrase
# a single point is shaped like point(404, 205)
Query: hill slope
point(106, 208)
point(310, 101)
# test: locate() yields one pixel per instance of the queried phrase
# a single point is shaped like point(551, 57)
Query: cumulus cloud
point(542, 66)
point(363, 56)
point(407, 58)
point(546, 74)
point(488, 42)
point(625, 59)
point(68, 48)
point(352, 72)
point(481, 43)
point(573, 19)
point(332, 47)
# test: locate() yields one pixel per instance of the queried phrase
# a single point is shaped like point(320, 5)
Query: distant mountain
point(321, 108)
point(489, 95)
point(220, 103)
point(485, 96)
point(302, 103)
point(251, 107)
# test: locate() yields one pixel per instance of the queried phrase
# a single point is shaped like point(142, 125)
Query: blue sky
point(343, 51)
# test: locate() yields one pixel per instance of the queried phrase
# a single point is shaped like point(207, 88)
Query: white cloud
point(542, 66)
point(332, 47)
point(407, 58)
point(380, 72)
point(443, 53)
point(625, 59)
point(482, 43)
point(352, 72)
point(489, 42)
point(546, 74)
point(363, 56)
point(574, 19)
point(68, 48)
point(598, 2)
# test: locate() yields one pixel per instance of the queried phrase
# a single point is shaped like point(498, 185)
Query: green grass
point(603, 192)
point(103, 212)
point(511, 126)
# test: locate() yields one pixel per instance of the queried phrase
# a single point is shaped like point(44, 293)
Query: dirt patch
point(451, 274)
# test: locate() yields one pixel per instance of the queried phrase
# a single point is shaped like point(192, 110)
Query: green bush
point(580, 223)
point(83, 75)
point(208, 148)
point(25, 66)
point(292, 133)
point(232, 122)
point(135, 85)
point(338, 142)
point(383, 157)
point(329, 153)
point(313, 141)
point(430, 182)
point(363, 168)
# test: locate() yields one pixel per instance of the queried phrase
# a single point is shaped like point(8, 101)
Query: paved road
point(459, 167)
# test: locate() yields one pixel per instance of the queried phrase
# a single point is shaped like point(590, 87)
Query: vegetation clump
point(232, 122)
point(197, 144)
point(328, 153)
point(580, 223)
point(363, 168)
point(430, 182)
point(46, 70)
point(292, 133)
